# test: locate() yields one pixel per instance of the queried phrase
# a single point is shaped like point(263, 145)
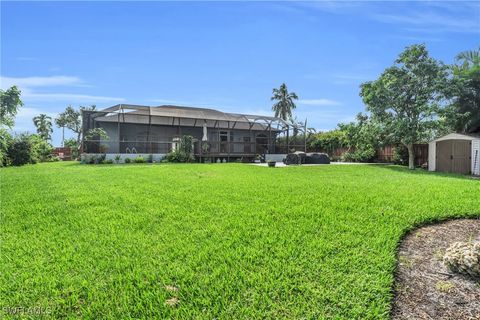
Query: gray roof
point(211, 117)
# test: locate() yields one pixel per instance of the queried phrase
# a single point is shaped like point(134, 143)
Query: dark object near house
point(302, 155)
point(317, 158)
point(292, 158)
point(271, 164)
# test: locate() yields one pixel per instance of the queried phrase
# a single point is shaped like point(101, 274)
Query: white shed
point(455, 152)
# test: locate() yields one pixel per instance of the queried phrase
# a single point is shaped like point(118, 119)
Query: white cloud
point(28, 82)
point(24, 118)
point(73, 97)
point(318, 102)
point(433, 22)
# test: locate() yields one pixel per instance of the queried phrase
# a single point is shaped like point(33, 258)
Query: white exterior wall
point(432, 152)
point(476, 157)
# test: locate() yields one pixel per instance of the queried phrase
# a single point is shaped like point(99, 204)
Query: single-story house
point(157, 130)
point(456, 153)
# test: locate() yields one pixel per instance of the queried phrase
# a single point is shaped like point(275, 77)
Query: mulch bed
point(424, 287)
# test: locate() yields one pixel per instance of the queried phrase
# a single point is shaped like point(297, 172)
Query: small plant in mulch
point(464, 258)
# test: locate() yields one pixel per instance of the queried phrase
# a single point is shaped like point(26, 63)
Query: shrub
point(184, 153)
point(366, 154)
point(20, 151)
point(109, 161)
point(117, 158)
point(139, 160)
point(127, 160)
point(400, 155)
point(464, 258)
point(41, 149)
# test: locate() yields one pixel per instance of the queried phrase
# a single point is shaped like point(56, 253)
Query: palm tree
point(44, 126)
point(284, 105)
point(472, 57)
point(62, 122)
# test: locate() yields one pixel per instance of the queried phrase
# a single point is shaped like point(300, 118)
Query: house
point(455, 152)
point(144, 130)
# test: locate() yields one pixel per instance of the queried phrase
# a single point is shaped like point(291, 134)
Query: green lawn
point(239, 241)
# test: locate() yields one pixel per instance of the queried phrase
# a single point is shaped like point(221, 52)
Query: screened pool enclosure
point(157, 130)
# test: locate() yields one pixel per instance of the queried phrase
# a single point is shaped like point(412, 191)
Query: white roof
point(458, 136)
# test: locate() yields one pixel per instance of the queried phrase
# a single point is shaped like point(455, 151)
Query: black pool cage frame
point(272, 135)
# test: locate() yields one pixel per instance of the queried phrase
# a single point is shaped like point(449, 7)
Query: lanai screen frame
point(268, 123)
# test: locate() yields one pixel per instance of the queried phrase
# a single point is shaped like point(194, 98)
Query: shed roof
point(458, 136)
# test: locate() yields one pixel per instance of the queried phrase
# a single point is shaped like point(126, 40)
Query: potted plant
point(271, 163)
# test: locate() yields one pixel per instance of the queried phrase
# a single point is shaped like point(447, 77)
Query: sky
point(221, 55)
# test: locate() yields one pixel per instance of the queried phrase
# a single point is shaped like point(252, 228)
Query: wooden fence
point(385, 154)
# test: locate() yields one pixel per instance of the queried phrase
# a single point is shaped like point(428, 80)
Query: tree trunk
point(411, 156)
point(63, 137)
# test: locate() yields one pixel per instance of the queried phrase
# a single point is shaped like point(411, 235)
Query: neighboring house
point(157, 130)
point(455, 152)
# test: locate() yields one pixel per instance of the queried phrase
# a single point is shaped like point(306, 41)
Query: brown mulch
point(424, 287)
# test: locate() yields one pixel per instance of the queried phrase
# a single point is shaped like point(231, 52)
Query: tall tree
point(463, 114)
point(74, 119)
point(44, 126)
point(9, 104)
point(61, 122)
point(284, 105)
point(405, 98)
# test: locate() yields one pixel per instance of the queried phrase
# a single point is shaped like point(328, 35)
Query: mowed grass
point(238, 241)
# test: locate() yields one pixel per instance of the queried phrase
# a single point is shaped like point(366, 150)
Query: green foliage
point(109, 161)
point(184, 153)
point(366, 154)
point(73, 119)
point(96, 134)
point(28, 148)
point(117, 158)
point(329, 141)
point(284, 105)
point(42, 149)
point(127, 160)
point(5, 141)
point(400, 155)
point(73, 145)
point(44, 126)
point(20, 151)
point(405, 98)
point(9, 103)
point(463, 92)
point(139, 159)
point(296, 243)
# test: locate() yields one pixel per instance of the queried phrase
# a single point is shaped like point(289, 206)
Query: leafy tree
point(96, 134)
point(5, 141)
point(405, 98)
point(463, 113)
point(73, 145)
point(74, 119)
point(284, 105)
point(44, 126)
point(61, 122)
point(9, 104)
point(363, 138)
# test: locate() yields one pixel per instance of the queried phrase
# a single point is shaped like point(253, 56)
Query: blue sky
point(223, 55)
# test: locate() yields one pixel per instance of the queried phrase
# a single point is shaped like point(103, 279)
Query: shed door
point(454, 156)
